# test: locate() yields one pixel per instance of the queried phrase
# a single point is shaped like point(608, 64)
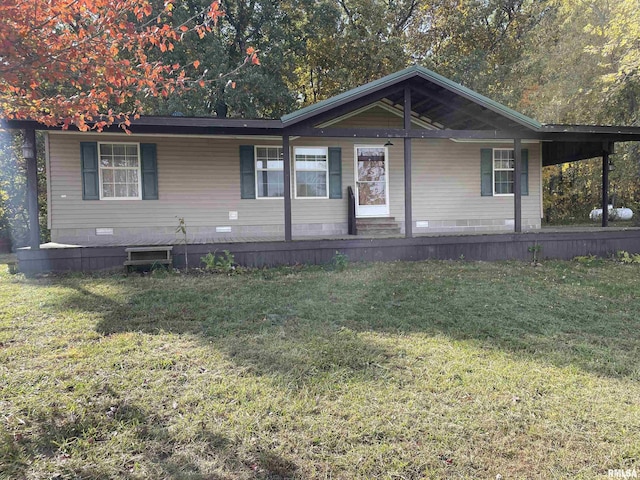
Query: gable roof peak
point(401, 76)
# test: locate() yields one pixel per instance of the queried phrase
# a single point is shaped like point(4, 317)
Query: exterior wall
point(199, 179)
point(313, 212)
point(446, 189)
point(374, 117)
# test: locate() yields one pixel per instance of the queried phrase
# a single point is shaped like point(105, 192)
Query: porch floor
point(261, 252)
point(207, 240)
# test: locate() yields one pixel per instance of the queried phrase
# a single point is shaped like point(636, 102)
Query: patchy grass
point(397, 370)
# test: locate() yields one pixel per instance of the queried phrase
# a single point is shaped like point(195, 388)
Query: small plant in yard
point(535, 250)
point(340, 260)
point(626, 257)
point(224, 263)
point(182, 228)
point(160, 270)
point(588, 260)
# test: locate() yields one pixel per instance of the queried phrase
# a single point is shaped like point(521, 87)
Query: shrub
point(223, 263)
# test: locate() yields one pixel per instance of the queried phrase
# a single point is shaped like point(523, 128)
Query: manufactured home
point(411, 165)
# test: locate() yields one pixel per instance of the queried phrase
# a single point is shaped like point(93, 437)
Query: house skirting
point(106, 236)
point(491, 247)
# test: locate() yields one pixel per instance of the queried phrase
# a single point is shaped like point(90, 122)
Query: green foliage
point(14, 218)
point(535, 250)
point(340, 261)
point(477, 44)
point(275, 29)
point(588, 260)
point(224, 263)
point(182, 229)
point(626, 257)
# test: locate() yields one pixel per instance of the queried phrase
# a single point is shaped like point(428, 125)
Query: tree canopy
point(88, 62)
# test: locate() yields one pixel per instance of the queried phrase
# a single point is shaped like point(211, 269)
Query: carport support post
point(517, 185)
point(30, 158)
point(408, 215)
point(287, 187)
point(605, 187)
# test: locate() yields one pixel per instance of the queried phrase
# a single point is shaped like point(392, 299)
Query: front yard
point(397, 370)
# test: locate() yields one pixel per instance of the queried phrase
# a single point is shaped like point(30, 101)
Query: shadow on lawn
point(307, 323)
point(266, 335)
point(66, 439)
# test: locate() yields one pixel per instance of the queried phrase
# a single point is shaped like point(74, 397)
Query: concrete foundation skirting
point(258, 254)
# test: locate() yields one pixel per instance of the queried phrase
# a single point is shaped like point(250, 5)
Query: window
point(119, 171)
point(503, 171)
point(269, 172)
point(311, 172)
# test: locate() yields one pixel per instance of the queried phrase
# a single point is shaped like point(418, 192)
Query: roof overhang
point(177, 126)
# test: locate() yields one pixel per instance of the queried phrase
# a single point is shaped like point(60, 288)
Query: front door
point(372, 181)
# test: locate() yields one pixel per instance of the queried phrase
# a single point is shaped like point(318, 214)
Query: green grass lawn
point(396, 370)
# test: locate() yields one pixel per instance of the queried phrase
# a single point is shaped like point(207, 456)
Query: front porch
point(554, 244)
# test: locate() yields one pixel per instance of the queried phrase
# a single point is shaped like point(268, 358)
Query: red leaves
point(252, 56)
point(214, 11)
point(75, 49)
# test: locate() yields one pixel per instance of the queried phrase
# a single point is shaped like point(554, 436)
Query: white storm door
point(372, 181)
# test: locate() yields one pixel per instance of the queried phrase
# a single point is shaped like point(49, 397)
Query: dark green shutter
point(247, 172)
point(486, 172)
point(149, 171)
point(89, 165)
point(335, 172)
point(524, 175)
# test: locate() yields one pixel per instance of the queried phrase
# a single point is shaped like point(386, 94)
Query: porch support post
point(30, 158)
point(287, 187)
point(605, 187)
point(517, 185)
point(408, 214)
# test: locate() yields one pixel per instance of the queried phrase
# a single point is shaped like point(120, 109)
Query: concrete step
point(379, 233)
point(378, 227)
point(371, 220)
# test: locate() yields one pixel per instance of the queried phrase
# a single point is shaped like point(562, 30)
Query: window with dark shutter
point(335, 172)
point(149, 171)
point(247, 172)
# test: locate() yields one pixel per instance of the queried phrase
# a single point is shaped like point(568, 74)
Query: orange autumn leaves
point(87, 62)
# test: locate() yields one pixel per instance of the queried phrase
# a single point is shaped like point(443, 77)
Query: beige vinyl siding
point(446, 183)
point(198, 179)
point(335, 210)
point(375, 117)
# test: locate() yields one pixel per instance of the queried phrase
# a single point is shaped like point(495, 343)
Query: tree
point(14, 221)
point(476, 43)
point(353, 42)
point(274, 28)
point(87, 62)
point(581, 65)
